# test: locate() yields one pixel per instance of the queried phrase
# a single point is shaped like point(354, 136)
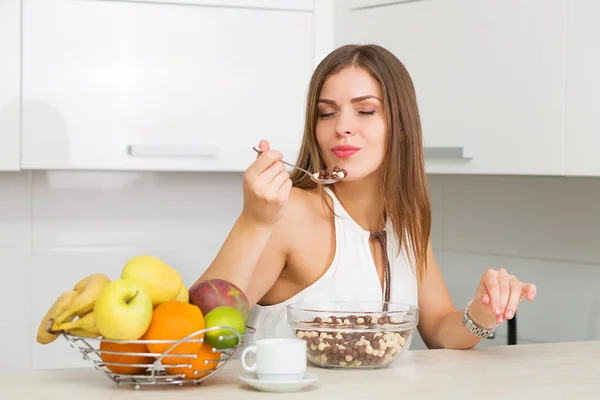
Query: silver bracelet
point(475, 329)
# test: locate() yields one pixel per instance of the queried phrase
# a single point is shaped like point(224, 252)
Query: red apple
point(214, 293)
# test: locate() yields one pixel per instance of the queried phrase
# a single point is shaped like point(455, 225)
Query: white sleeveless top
point(352, 276)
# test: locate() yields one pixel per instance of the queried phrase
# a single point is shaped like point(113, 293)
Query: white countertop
point(540, 371)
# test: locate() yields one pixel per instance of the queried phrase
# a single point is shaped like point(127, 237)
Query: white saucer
point(279, 386)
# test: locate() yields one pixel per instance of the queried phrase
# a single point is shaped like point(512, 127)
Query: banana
point(88, 289)
point(83, 326)
point(76, 303)
point(84, 333)
point(44, 334)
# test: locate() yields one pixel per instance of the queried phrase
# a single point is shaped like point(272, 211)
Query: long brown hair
point(403, 182)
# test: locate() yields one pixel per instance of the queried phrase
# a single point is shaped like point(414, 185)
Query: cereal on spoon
point(335, 173)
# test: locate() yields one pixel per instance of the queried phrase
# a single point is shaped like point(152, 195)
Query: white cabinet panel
point(358, 4)
point(10, 139)
point(489, 77)
point(161, 86)
point(268, 4)
point(583, 88)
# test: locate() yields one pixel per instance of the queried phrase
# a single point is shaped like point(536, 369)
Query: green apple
point(224, 317)
point(123, 310)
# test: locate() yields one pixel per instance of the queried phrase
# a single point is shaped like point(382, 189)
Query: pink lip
point(344, 151)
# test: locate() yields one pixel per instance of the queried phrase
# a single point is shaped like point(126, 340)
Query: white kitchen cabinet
point(583, 89)
point(489, 77)
point(163, 85)
point(10, 135)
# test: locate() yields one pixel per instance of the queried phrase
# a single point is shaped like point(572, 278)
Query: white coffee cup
point(277, 359)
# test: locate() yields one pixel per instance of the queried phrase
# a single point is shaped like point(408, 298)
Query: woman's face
point(350, 127)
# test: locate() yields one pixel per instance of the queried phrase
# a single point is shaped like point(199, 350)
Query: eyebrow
point(354, 100)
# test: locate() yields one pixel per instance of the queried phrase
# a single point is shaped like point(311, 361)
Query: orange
point(207, 360)
point(125, 359)
point(175, 320)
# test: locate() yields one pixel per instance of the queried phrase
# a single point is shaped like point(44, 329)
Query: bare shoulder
point(304, 206)
point(304, 213)
point(303, 235)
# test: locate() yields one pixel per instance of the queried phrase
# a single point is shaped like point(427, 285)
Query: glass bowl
point(354, 334)
point(248, 339)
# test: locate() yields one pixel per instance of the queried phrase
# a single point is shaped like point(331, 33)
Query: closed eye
point(326, 115)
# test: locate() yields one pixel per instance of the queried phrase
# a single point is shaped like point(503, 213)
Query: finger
point(264, 161)
point(516, 288)
point(272, 194)
point(485, 299)
point(284, 191)
point(258, 183)
point(278, 181)
point(269, 174)
point(492, 288)
point(504, 283)
point(529, 290)
point(263, 145)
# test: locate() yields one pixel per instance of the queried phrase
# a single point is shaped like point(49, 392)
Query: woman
point(366, 237)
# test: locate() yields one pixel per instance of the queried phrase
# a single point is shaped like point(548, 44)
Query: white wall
point(56, 227)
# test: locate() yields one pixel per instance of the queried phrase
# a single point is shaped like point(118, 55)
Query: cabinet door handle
point(445, 152)
point(140, 150)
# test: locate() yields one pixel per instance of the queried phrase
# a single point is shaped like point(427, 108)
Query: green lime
point(224, 317)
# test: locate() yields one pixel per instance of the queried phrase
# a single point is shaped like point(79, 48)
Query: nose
point(344, 126)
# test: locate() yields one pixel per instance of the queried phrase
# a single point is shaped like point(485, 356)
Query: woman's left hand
point(498, 296)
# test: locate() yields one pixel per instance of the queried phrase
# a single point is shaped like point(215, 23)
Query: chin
point(352, 176)
point(358, 175)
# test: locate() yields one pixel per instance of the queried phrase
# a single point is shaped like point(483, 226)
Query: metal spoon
point(312, 177)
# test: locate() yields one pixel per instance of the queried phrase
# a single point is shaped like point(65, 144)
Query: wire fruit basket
point(157, 368)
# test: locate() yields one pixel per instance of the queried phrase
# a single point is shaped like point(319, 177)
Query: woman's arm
point(242, 251)
point(256, 245)
point(253, 256)
point(440, 323)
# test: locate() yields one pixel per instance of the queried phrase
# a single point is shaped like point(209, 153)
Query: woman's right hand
point(267, 186)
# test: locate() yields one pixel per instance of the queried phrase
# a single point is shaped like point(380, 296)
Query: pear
point(159, 280)
point(184, 295)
